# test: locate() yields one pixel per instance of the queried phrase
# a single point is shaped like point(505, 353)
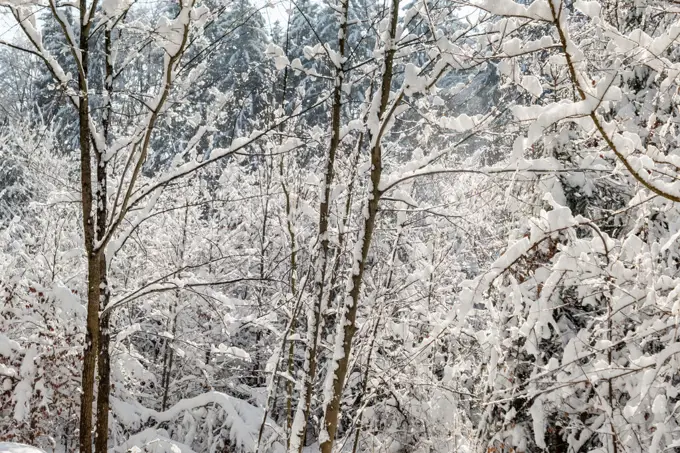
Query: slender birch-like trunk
point(298, 430)
point(346, 324)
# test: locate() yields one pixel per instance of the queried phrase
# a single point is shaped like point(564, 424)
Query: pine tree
point(239, 66)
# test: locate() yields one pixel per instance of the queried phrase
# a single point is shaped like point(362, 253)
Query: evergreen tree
point(238, 65)
point(51, 101)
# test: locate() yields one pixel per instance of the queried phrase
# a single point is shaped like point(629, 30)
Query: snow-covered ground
point(11, 447)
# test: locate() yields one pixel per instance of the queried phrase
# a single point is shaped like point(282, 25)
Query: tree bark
point(104, 358)
point(314, 324)
point(104, 385)
point(346, 325)
point(93, 264)
point(90, 354)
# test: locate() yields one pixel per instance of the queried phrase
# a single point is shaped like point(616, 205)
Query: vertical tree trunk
point(169, 358)
point(90, 354)
point(275, 379)
point(169, 353)
point(104, 384)
point(293, 291)
point(104, 359)
point(297, 438)
point(346, 324)
point(364, 385)
point(93, 264)
point(367, 371)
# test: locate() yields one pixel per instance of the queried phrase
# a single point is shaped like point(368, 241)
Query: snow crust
point(11, 447)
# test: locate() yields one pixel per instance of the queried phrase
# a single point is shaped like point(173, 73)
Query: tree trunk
point(314, 322)
point(90, 354)
point(104, 386)
point(104, 359)
point(346, 324)
point(93, 264)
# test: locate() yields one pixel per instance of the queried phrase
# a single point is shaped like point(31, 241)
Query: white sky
point(278, 10)
point(6, 29)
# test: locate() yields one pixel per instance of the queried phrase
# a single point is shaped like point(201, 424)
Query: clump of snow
point(589, 8)
point(12, 447)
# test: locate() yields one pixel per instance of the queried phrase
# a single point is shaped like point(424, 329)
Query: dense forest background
point(394, 226)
